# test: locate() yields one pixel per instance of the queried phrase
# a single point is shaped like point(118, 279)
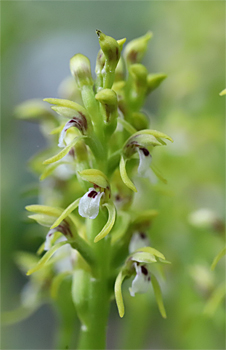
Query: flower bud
point(135, 49)
point(108, 99)
point(139, 121)
point(81, 70)
point(137, 85)
point(154, 80)
point(111, 50)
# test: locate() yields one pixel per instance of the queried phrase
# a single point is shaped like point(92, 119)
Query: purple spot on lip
point(142, 235)
point(144, 270)
point(145, 151)
point(92, 194)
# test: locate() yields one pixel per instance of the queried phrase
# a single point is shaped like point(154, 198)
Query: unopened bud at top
point(135, 50)
point(110, 48)
point(81, 70)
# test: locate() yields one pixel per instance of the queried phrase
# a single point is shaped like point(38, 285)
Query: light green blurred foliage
point(188, 45)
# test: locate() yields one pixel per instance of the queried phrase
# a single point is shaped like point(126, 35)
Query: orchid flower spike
point(142, 280)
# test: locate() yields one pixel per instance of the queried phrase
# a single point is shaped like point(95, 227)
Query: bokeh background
point(38, 39)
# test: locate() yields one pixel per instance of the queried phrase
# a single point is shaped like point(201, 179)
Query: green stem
point(93, 333)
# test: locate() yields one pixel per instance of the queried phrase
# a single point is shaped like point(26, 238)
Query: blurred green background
point(38, 39)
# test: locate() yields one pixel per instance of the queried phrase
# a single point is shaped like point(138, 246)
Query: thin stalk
point(93, 334)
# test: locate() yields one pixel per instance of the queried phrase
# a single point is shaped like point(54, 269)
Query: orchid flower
point(89, 204)
point(143, 143)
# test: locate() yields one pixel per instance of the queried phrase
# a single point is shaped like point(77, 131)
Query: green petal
point(95, 176)
point(65, 103)
point(158, 296)
point(43, 219)
point(155, 133)
point(66, 212)
point(118, 293)
point(49, 170)
point(64, 151)
point(44, 209)
point(42, 262)
point(57, 282)
point(218, 257)
point(111, 220)
point(143, 257)
point(152, 251)
point(124, 176)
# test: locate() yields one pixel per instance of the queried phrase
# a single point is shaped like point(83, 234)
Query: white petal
point(144, 164)
point(48, 240)
point(89, 206)
point(141, 282)
point(138, 240)
point(61, 142)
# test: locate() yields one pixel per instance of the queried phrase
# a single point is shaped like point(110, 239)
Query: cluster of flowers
point(104, 139)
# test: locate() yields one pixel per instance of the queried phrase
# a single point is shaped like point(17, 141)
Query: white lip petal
point(89, 206)
point(138, 240)
point(140, 283)
point(145, 162)
point(61, 142)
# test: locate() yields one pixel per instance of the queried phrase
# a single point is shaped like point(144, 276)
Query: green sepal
point(33, 109)
point(44, 209)
point(143, 257)
point(124, 176)
point(110, 222)
point(118, 292)
point(218, 257)
point(95, 177)
point(158, 296)
point(155, 133)
point(81, 115)
point(64, 151)
point(66, 103)
point(66, 212)
point(42, 262)
point(50, 169)
point(151, 251)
